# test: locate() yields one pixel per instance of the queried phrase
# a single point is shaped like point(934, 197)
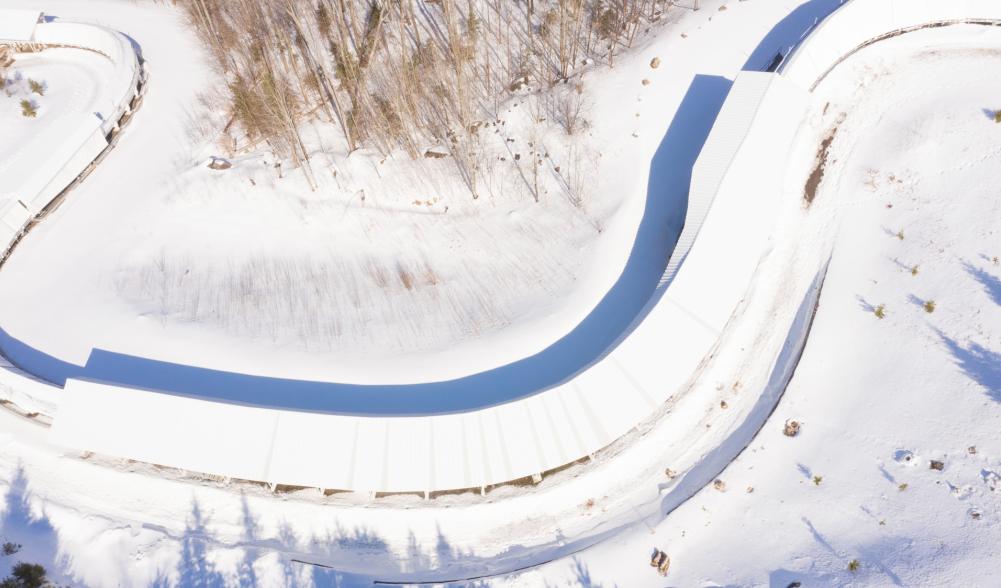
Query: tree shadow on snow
point(870, 555)
point(990, 282)
point(979, 363)
point(582, 575)
point(197, 567)
point(37, 537)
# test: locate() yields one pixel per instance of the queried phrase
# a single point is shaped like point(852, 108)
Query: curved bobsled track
point(719, 313)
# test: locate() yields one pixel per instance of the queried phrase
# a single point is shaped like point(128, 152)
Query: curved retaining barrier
point(518, 440)
point(28, 188)
point(736, 185)
point(43, 173)
point(859, 23)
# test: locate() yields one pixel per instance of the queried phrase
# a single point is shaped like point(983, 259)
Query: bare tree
point(400, 74)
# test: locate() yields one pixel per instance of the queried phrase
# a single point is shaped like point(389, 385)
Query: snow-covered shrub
point(36, 87)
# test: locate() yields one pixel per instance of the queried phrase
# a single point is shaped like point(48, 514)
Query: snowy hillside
point(879, 466)
point(388, 258)
point(882, 402)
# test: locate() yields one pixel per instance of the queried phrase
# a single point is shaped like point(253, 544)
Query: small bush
point(26, 575)
point(28, 109)
point(880, 311)
point(817, 480)
point(929, 306)
point(997, 116)
point(853, 566)
point(914, 271)
point(900, 234)
point(36, 87)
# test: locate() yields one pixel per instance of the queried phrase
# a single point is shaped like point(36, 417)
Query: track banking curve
point(515, 422)
point(535, 415)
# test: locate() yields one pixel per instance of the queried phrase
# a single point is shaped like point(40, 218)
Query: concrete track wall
point(736, 185)
point(734, 193)
point(28, 189)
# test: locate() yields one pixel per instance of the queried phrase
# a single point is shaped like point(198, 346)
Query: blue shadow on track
point(667, 198)
point(621, 309)
point(788, 33)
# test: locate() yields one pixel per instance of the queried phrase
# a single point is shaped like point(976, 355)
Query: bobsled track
point(646, 378)
point(36, 176)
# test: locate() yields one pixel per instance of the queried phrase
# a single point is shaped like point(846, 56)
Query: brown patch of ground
point(817, 175)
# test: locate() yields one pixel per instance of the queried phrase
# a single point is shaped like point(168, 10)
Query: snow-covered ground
point(878, 399)
point(68, 82)
point(909, 155)
point(389, 259)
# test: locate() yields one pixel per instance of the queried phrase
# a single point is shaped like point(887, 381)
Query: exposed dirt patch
point(820, 166)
